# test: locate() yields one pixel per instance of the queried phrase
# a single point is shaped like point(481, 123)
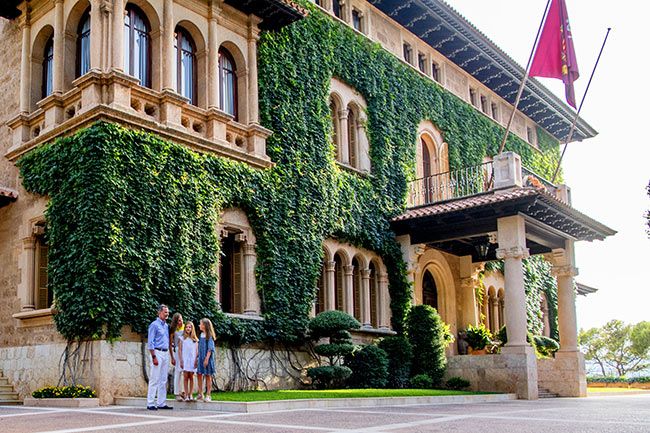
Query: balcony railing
point(450, 185)
point(469, 181)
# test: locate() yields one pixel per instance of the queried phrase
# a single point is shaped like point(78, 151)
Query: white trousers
point(158, 379)
point(178, 375)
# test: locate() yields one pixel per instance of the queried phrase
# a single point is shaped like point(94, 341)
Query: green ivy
point(131, 218)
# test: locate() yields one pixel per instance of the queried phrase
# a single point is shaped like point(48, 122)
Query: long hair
point(209, 329)
point(191, 335)
point(175, 319)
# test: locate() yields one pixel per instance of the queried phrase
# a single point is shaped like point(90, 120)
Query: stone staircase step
point(10, 402)
point(4, 381)
point(6, 388)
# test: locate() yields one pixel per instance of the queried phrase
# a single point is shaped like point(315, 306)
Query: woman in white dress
point(188, 356)
point(175, 334)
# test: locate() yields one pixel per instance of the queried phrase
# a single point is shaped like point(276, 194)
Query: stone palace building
point(187, 72)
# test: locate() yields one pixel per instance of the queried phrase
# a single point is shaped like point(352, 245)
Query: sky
point(607, 174)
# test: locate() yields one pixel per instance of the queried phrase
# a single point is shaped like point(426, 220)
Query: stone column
point(365, 298)
point(507, 171)
point(29, 247)
point(213, 56)
point(117, 33)
point(564, 271)
point(343, 136)
point(347, 289)
point(169, 56)
point(251, 303)
point(511, 232)
point(330, 285)
point(468, 283)
point(25, 64)
point(384, 302)
point(411, 255)
point(253, 36)
point(496, 317)
point(59, 41)
point(95, 34)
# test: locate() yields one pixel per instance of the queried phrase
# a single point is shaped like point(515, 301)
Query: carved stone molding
point(564, 271)
point(330, 266)
point(513, 253)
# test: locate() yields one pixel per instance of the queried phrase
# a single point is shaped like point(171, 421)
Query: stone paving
point(594, 414)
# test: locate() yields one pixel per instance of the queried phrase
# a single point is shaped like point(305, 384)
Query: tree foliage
point(617, 346)
point(426, 332)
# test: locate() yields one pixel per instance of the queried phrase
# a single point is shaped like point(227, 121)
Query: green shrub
point(331, 324)
point(400, 354)
point(478, 336)
point(75, 391)
point(457, 383)
point(427, 337)
point(545, 346)
point(421, 381)
point(334, 349)
point(502, 335)
point(640, 379)
point(329, 376)
point(606, 379)
point(369, 367)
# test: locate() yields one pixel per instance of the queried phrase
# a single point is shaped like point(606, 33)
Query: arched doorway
point(429, 290)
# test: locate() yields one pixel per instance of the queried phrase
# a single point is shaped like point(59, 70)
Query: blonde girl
point(188, 354)
point(205, 365)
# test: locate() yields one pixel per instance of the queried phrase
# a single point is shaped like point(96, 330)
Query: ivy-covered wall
point(131, 218)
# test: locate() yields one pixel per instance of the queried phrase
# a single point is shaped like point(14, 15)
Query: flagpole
point(575, 119)
point(523, 81)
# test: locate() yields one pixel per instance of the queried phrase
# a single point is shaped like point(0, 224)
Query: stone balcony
point(119, 98)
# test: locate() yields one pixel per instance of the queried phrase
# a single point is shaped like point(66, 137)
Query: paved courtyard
point(594, 414)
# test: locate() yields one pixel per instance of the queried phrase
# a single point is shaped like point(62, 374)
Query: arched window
point(137, 45)
point(429, 290)
point(185, 70)
point(353, 138)
point(48, 65)
point(83, 45)
point(338, 282)
point(426, 159)
point(374, 294)
point(334, 112)
point(230, 274)
point(228, 83)
point(356, 289)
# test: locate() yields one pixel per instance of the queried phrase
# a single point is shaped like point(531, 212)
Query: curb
point(319, 403)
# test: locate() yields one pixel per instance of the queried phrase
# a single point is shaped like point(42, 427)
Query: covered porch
point(500, 210)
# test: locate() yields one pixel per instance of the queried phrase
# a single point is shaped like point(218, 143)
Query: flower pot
point(477, 351)
point(61, 402)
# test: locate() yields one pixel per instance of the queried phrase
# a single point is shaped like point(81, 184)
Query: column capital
point(29, 243)
point(365, 274)
point(248, 249)
point(564, 271)
point(343, 114)
point(468, 282)
point(105, 6)
point(383, 277)
point(517, 252)
point(330, 266)
point(348, 269)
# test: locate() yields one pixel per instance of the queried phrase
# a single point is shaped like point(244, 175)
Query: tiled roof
point(466, 203)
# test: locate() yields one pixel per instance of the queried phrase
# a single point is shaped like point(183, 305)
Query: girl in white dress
point(188, 354)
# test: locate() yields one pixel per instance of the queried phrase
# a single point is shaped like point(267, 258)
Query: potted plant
point(63, 396)
point(478, 337)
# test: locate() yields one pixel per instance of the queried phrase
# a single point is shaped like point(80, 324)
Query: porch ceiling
point(7, 195)
point(460, 226)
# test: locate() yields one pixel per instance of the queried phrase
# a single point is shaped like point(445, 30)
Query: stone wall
point(115, 369)
point(563, 375)
point(505, 372)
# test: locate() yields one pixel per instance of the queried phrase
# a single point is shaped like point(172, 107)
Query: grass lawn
point(292, 394)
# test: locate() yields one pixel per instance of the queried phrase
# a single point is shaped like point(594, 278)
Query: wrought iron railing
point(464, 182)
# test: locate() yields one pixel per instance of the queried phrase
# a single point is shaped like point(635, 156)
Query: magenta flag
point(555, 56)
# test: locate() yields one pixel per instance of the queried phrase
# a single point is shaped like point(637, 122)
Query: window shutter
point(44, 298)
point(237, 278)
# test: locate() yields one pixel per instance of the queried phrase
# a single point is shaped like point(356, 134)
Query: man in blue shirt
point(158, 345)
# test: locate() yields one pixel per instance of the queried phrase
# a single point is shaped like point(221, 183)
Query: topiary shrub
point(421, 381)
point(457, 383)
point(478, 337)
point(427, 336)
point(333, 325)
point(328, 376)
point(400, 353)
point(369, 367)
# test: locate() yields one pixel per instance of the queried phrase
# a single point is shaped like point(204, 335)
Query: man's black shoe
point(165, 407)
point(152, 408)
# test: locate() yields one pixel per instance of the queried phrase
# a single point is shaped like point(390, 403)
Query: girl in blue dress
point(206, 358)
